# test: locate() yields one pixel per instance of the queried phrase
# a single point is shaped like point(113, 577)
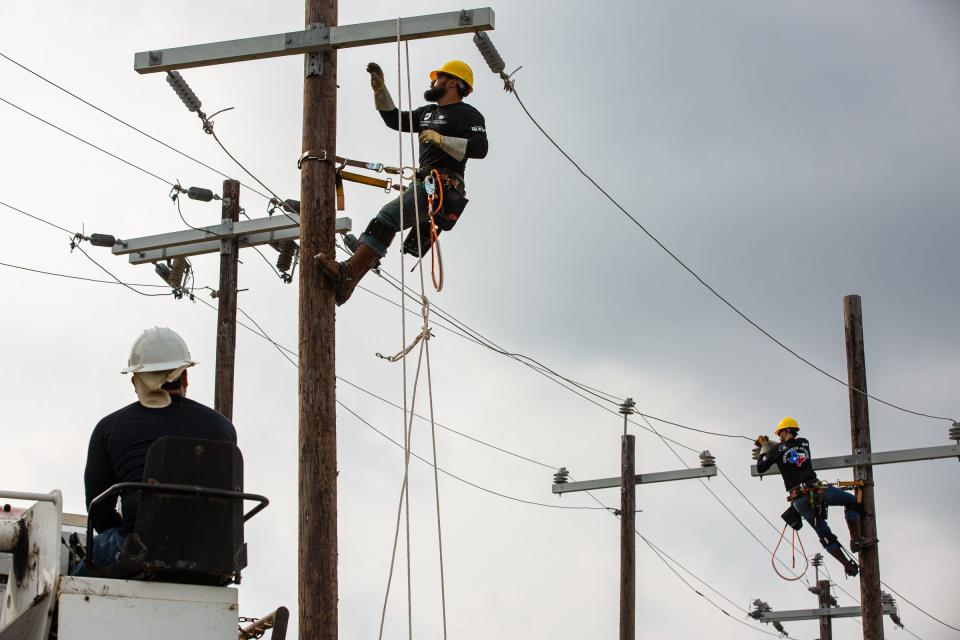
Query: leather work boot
point(857, 542)
point(345, 275)
point(849, 566)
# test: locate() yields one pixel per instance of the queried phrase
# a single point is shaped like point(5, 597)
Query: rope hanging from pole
point(422, 339)
point(794, 538)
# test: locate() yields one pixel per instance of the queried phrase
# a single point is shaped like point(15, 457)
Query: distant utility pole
point(628, 481)
point(318, 43)
point(227, 304)
point(827, 608)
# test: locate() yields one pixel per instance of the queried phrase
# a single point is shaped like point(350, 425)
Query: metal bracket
point(154, 58)
point(313, 64)
point(466, 17)
point(311, 155)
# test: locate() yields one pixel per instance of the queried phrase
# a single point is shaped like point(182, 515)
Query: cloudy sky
point(791, 153)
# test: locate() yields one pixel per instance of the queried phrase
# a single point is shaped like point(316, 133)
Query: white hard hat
point(158, 349)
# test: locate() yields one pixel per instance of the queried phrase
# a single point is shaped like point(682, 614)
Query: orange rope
point(773, 557)
point(436, 258)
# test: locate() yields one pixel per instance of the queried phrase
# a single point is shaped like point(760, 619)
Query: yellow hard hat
point(786, 423)
point(458, 69)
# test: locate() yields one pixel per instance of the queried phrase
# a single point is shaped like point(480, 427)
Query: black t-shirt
point(794, 461)
point(459, 120)
point(118, 450)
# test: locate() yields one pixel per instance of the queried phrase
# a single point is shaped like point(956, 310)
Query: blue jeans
point(390, 214)
point(106, 548)
point(833, 497)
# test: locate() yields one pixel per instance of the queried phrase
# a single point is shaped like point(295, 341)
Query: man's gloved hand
point(762, 447)
point(381, 97)
point(376, 76)
point(429, 136)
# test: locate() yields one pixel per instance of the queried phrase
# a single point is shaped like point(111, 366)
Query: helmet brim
point(159, 366)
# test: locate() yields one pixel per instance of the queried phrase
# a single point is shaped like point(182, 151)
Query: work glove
point(456, 148)
point(376, 76)
point(429, 136)
point(381, 97)
point(762, 446)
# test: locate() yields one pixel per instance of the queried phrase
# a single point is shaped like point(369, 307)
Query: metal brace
point(310, 155)
point(313, 65)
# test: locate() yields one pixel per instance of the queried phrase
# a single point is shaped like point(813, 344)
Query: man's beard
point(433, 94)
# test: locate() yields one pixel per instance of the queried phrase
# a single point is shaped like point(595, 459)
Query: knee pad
point(829, 541)
point(382, 231)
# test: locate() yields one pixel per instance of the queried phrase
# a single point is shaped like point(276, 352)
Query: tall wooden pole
point(227, 305)
point(628, 539)
point(318, 427)
point(823, 594)
point(860, 440)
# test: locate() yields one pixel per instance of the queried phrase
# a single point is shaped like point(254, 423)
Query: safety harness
point(446, 202)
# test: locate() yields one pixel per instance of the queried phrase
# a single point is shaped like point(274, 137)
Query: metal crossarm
point(877, 457)
point(314, 40)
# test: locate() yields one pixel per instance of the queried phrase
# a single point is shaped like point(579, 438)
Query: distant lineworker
point(118, 446)
point(808, 496)
point(450, 132)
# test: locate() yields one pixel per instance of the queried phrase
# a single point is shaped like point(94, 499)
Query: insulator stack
point(102, 240)
point(178, 269)
point(779, 627)
point(707, 459)
point(562, 476)
point(755, 454)
point(189, 98)
point(817, 560)
point(199, 193)
point(489, 52)
point(163, 271)
point(627, 408)
point(954, 430)
point(288, 249)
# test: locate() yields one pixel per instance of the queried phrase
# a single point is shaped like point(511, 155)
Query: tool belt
point(813, 492)
point(454, 201)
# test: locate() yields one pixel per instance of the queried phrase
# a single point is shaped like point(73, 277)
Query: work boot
point(857, 542)
point(345, 275)
point(849, 566)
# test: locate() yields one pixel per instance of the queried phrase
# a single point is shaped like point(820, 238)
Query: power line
point(78, 138)
point(124, 123)
point(72, 277)
point(701, 280)
point(932, 617)
point(467, 482)
point(39, 219)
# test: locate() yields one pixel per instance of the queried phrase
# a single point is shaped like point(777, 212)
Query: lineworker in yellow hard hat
point(808, 497)
point(450, 132)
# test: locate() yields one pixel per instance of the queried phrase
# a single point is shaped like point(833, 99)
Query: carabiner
point(430, 185)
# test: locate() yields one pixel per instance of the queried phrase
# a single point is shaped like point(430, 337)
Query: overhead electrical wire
point(125, 123)
point(703, 282)
point(86, 142)
point(72, 277)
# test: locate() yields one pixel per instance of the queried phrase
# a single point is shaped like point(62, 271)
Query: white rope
point(405, 487)
point(423, 340)
point(425, 310)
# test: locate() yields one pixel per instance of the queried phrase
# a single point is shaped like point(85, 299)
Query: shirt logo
point(796, 457)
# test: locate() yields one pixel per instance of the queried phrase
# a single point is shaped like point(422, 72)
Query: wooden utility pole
point(823, 596)
point(628, 481)
point(315, 227)
point(318, 414)
point(227, 304)
point(860, 440)
point(628, 539)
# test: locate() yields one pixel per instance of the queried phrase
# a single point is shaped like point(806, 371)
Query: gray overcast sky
point(791, 153)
